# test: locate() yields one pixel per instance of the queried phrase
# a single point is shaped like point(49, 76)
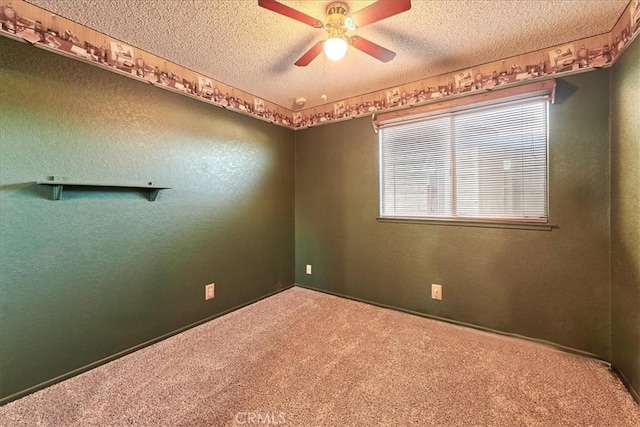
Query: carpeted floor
point(309, 359)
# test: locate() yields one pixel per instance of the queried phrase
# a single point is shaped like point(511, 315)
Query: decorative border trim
point(20, 20)
point(582, 55)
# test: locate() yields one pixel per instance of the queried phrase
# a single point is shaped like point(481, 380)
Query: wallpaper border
point(23, 21)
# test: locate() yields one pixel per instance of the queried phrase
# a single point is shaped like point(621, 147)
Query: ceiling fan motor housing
point(336, 17)
point(337, 8)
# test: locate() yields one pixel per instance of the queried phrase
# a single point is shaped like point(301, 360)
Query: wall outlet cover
point(436, 292)
point(210, 291)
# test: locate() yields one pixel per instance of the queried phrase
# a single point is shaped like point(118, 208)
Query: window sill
point(541, 226)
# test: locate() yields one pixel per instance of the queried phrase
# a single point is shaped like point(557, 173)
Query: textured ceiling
point(248, 47)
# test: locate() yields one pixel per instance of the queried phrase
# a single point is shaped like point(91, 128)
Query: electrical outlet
point(436, 292)
point(309, 269)
point(210, 291)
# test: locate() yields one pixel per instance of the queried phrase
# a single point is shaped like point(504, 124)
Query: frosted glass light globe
point(335, 48)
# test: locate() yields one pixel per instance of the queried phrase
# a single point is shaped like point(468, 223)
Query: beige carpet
point(308, 359)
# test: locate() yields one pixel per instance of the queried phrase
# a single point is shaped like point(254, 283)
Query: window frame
point(475, 102)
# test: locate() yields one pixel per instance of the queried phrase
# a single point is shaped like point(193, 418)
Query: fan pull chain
point(324, 94)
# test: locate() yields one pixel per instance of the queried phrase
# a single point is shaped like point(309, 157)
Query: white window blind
point(486, 163)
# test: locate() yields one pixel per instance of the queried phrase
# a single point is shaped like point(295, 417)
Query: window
point(487, 164)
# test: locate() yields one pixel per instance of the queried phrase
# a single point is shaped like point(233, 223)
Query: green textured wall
point(99, 272)
point(546, 285)
point(625, 215)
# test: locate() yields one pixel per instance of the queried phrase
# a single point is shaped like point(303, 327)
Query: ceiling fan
point(338, 23)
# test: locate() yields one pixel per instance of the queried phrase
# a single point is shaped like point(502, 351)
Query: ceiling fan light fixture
point(338, 23)
point(335, 48)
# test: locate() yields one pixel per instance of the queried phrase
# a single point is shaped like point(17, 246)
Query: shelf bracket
point(57, 191)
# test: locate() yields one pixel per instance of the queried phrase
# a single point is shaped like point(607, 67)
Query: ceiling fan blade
point(290, 12)
point(379, 10)
point(370, 48)
point(310, 55)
